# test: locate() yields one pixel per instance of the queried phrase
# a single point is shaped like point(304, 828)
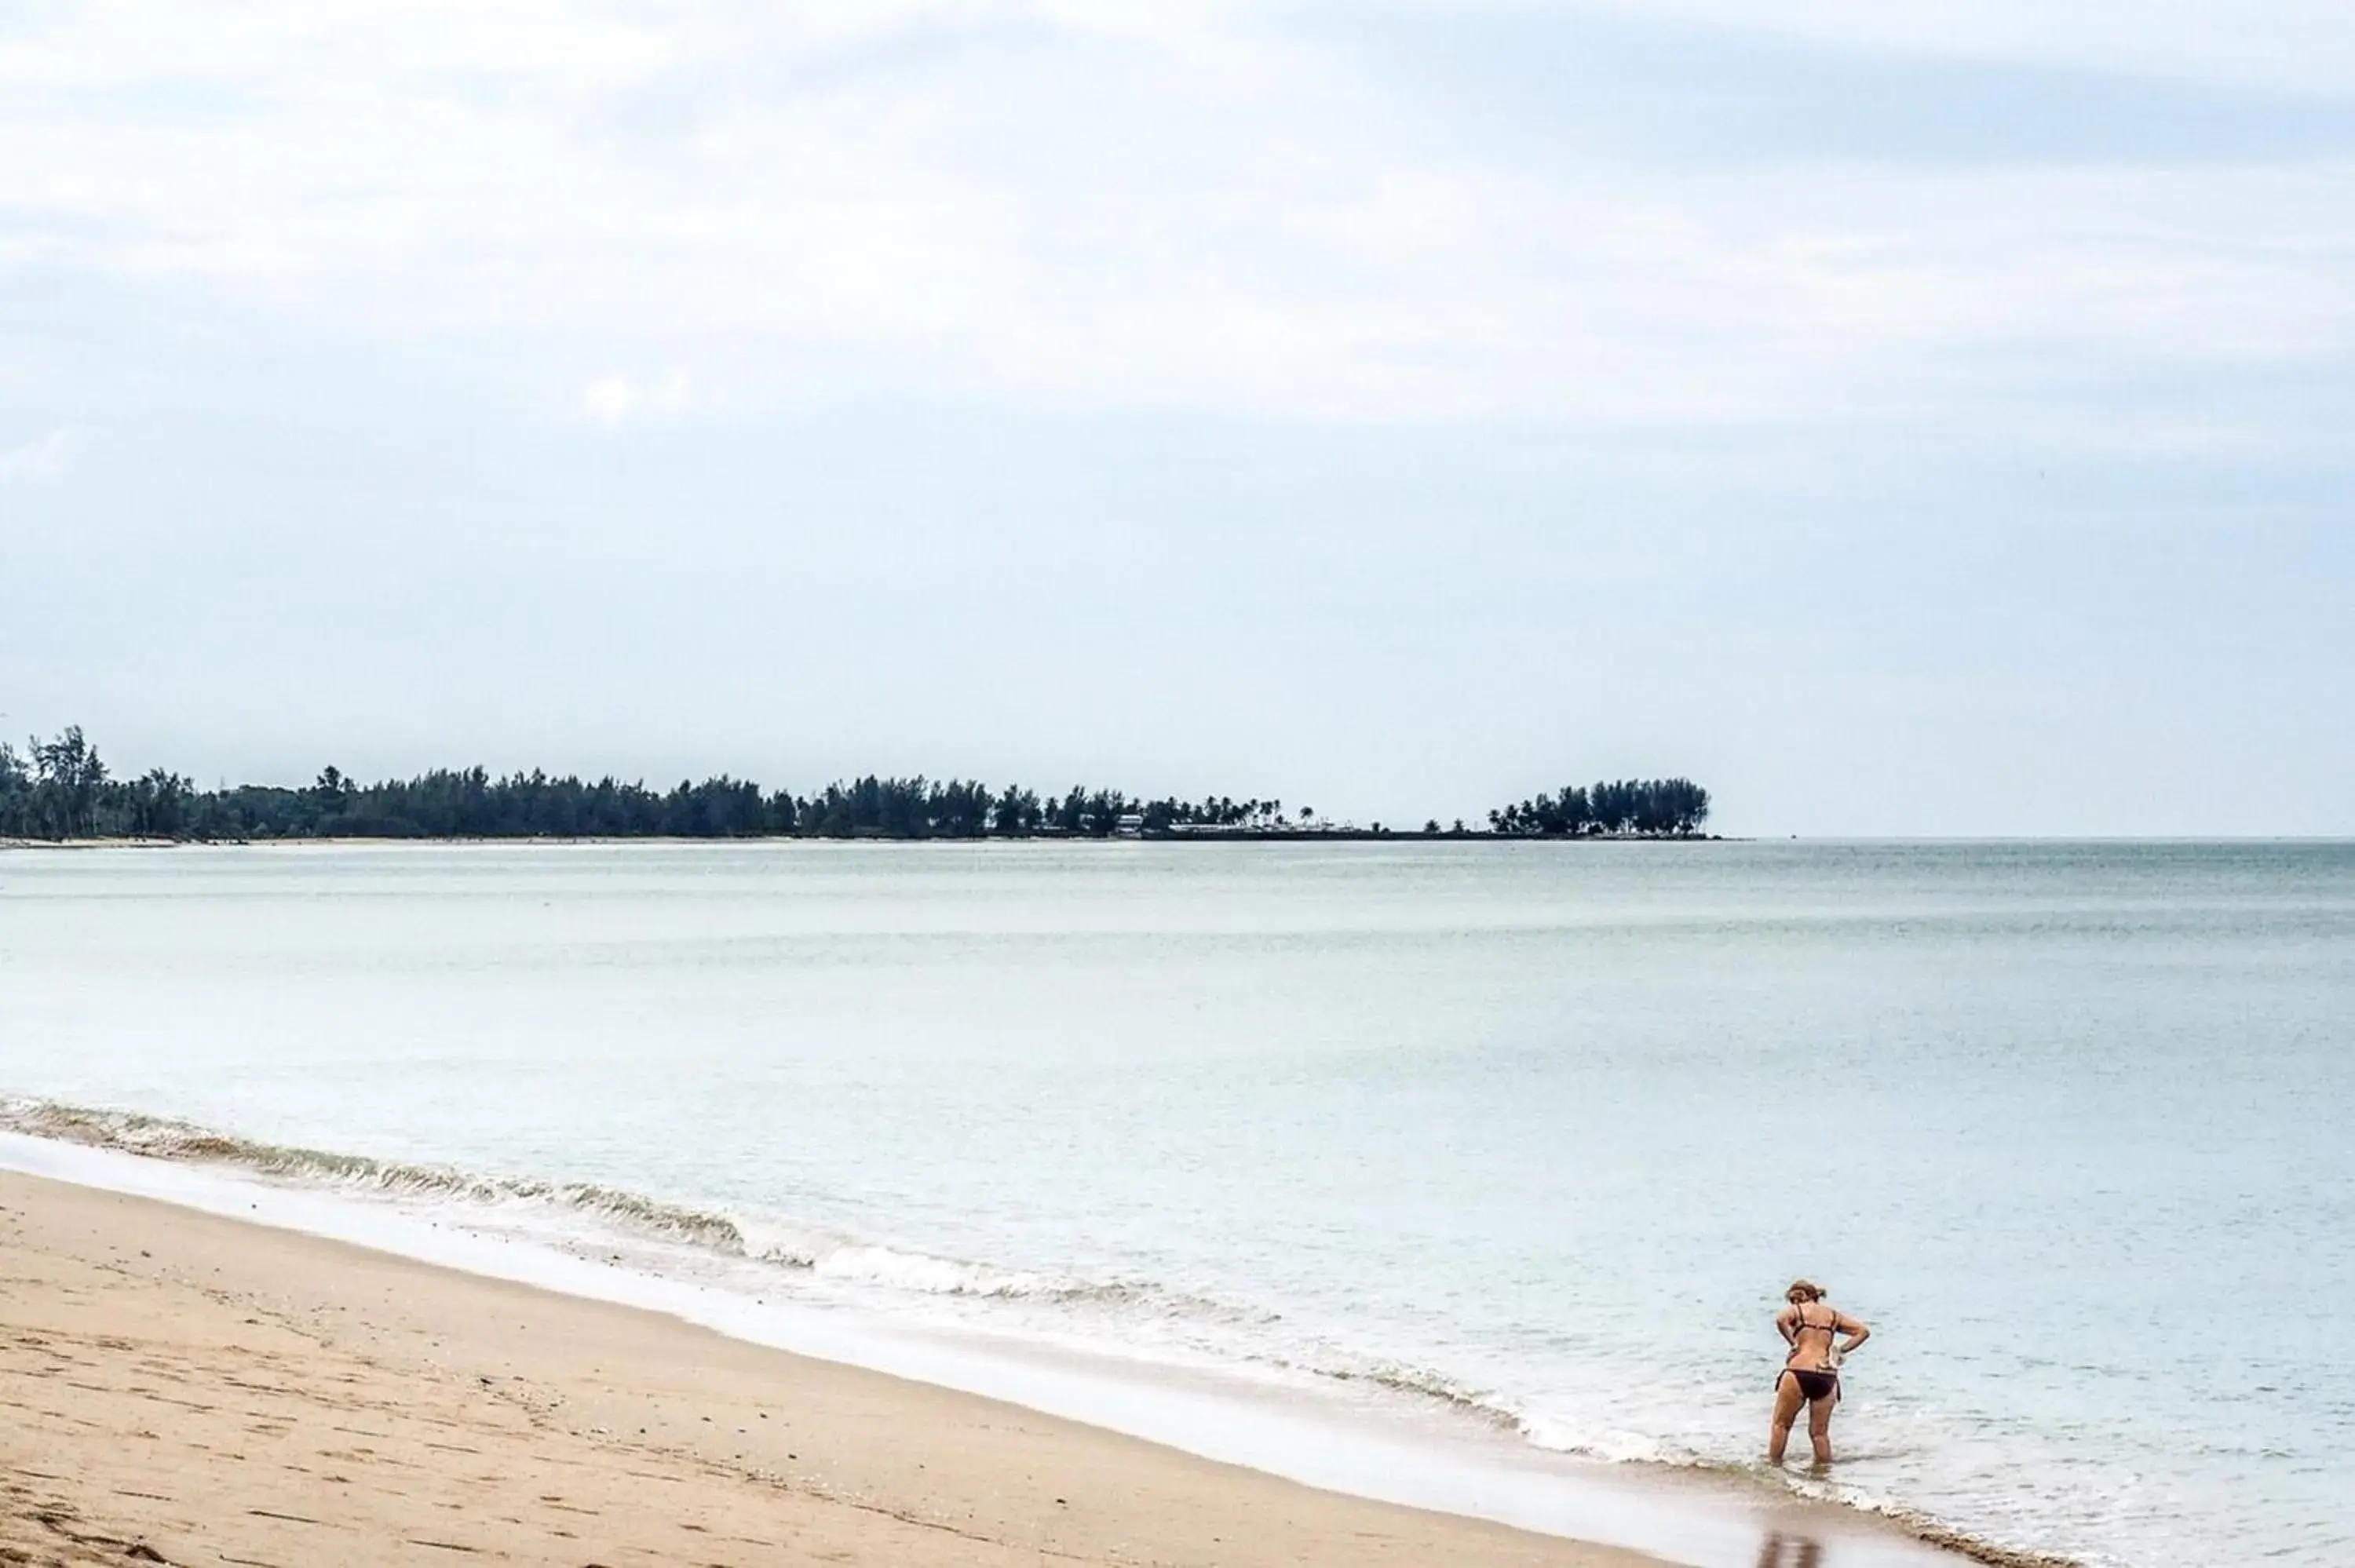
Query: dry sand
point(180, 1388)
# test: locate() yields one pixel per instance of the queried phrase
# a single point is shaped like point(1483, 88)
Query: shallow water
point(1525, 1138)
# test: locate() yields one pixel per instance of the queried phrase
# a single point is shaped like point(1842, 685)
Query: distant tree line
point(1654, 808)
point(60, 789)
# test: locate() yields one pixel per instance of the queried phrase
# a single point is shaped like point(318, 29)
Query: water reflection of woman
point(1808, 1551)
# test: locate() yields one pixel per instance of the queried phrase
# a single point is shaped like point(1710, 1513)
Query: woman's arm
point(1785, 1324)
point(1856, 1332)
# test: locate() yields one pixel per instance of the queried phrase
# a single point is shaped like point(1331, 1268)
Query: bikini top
point(1829, 1330)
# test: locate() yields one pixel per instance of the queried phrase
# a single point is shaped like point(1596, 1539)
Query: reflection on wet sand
point(1806, 1552)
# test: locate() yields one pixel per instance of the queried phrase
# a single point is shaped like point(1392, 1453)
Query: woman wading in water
point(1812, 1327)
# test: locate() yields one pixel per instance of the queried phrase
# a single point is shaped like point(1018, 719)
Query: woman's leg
point(1819, 1426)
point(1787, 1399)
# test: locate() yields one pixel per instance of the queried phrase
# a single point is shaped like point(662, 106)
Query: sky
point(1920, 419)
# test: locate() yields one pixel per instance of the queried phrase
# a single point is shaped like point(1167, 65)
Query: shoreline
point(1679, 1517)
point(194, 1388)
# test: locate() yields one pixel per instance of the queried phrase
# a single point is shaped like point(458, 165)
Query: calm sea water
point(1529, 1134)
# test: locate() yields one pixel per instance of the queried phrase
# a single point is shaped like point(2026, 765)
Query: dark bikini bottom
point(1815, 1384)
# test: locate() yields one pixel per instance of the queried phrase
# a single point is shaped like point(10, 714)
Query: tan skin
point(1810, 1326)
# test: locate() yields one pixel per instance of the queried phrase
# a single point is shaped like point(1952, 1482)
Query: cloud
point(614, 400)
point(1212, 209)
point(2307, 45)
point(40, 459)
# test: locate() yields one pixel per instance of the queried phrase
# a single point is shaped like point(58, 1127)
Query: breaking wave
point(820, 1253)
point(159, 1138)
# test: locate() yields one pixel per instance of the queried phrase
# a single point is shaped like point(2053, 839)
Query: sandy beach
point(186, 1389)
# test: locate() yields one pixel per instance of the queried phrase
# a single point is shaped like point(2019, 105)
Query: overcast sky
point(1935, 418)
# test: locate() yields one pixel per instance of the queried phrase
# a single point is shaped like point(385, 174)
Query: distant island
point(60, 789)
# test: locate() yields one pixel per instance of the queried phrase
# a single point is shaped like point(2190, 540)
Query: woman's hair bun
point(1804, 1288)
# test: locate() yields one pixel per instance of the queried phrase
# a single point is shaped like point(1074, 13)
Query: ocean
point(1486, 1162)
